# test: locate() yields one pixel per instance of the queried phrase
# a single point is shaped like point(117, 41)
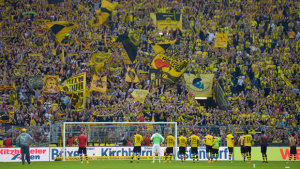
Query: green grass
point(146, 165)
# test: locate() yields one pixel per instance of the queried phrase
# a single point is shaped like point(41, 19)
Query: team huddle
point(212, 143)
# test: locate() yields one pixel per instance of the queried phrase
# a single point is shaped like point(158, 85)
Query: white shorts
point(156, 148)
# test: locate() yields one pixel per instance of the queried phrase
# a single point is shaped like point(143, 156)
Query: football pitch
point(147, 165)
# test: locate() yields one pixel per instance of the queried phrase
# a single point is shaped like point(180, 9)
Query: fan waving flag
point(161, 47)
point(60, 29)
point(171, 68)
point(130, 42)
point(103, 14)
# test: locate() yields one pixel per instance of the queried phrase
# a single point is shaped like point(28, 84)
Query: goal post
point(106, 134)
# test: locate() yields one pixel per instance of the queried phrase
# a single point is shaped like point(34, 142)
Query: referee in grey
point(24, 141)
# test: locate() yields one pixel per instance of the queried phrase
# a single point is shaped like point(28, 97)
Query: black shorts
point(263, 149)
point(182, 150)
point(215, 151)
point(243, 150)
point(208, 149)
point(247, 149)
point(230, 149)
point(169, 150)
point(137, 149)
point(293, 150)
point(82, 150)
point(194, 150)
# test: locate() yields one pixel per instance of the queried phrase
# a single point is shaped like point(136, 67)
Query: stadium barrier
point(273, 154)
point(96, 153)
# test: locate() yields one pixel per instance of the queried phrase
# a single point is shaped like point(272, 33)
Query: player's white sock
point(153, 157)
point(159, 157)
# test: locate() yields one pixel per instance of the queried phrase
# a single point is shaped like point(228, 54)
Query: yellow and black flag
point(171, 68)
point(161, 47)
point(130, 42)
point(131, 76)
point(60, 29)
point(103, 14)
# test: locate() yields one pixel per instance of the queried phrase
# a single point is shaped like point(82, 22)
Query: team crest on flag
point(130, 42)
point(131, 76)
point(200, 85)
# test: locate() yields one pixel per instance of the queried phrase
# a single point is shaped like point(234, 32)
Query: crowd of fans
point(258, 71)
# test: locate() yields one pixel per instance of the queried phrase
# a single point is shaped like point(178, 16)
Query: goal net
point(114, 140)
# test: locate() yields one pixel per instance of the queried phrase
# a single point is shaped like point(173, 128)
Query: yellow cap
point(23, 129)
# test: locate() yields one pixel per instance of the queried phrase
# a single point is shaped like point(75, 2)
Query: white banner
point(14, 154)
point(127, 151)
point(43, 154)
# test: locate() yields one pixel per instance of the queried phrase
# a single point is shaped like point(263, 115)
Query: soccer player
point(137, 145)
point(157, 139)
point(170, 146)
point(194, 140)
point(81, 140)
point(215, 148)
point(247, 143)
point(264, 143)
point(208, 142)
point(241, 143)
point(293, 149)
point(230, 143)
point(182, 147)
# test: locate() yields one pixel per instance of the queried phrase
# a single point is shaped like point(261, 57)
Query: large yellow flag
point(200, 85)
point(131, 76)
point(98, 61)
point(99, 84)
point(75, 88)
point(139, 95)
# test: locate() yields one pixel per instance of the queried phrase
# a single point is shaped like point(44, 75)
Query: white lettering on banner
point(14, 154)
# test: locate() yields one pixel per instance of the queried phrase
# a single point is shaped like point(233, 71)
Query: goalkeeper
point(157, 139)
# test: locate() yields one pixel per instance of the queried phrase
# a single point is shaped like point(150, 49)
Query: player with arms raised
point(182, 147)
point(157, 139)
point(170, 146)
point(194, 140)
point(247, 143)
point(230, 143)
point(81, 140)
point(137, 145)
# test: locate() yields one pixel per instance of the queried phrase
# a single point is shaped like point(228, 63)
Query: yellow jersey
point(248, 140)
point(137, 140)
point(230, 140)
point(208, 140)
point(170, 141)
point(182, 141)
point(194, 140)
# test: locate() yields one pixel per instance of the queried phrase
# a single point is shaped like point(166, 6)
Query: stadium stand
point(250, 47)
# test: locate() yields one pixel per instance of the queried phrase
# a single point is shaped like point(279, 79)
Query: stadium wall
point(50, 153)
point(273, 153)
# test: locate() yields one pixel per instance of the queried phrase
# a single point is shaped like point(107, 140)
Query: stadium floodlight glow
point(93, 127)
point(200, 98)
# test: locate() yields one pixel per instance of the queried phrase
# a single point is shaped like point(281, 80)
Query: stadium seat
point(53, 145)
point(96, 144)
point(90, 144)
point(102, 144)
